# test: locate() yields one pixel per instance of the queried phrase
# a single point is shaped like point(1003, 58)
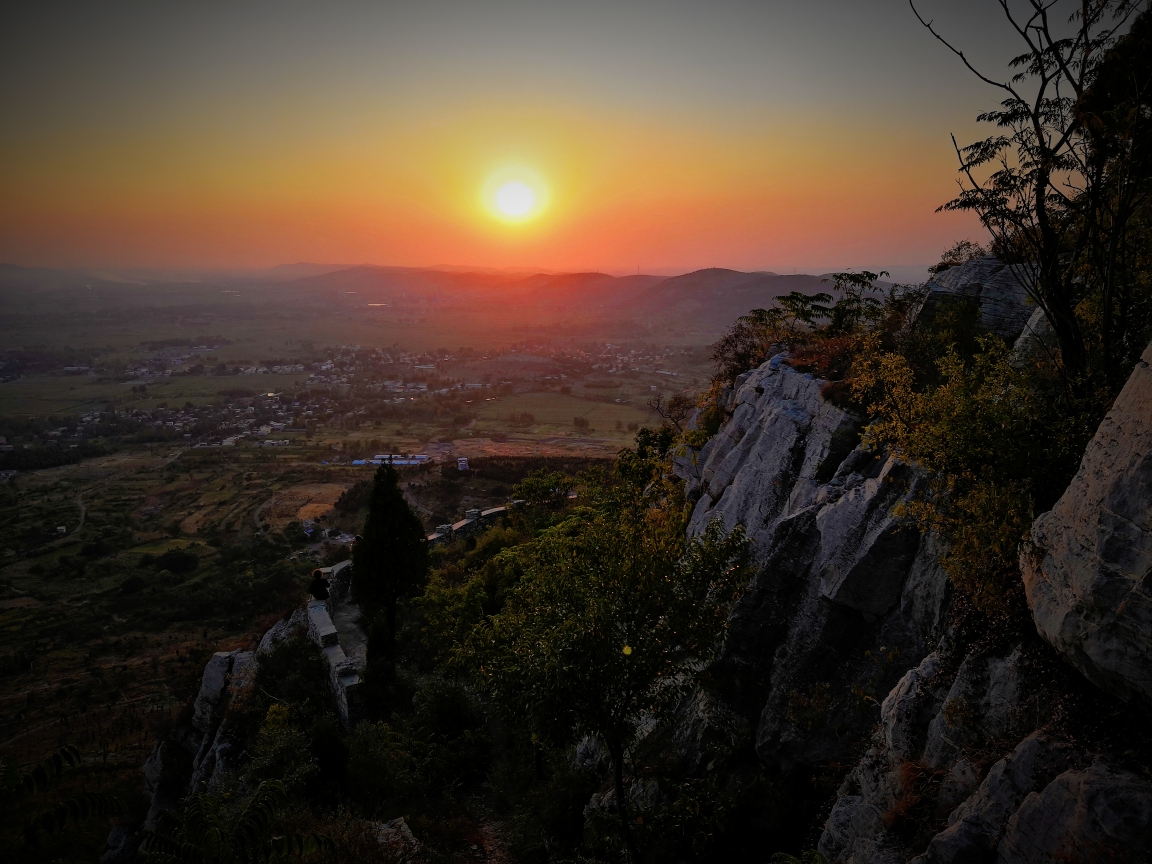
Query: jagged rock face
point(1088, 568)
point(1046, 800)
point(196, 756)
point(770, 458)
point(209, 699)
point(845, 597)
point(989, 283)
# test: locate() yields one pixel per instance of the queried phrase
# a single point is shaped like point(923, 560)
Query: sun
point(515, 199)
point(514, 194)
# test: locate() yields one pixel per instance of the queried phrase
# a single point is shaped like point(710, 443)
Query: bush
point(282, 752)
point(383, 777)
point(294, 673)
point(179, 561)
point(996, 445)
point(356, 498)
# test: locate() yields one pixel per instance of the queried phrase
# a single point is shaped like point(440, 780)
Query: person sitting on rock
point(319, 587)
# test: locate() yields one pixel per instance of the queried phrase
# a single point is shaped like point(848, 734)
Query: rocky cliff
point(848, 644)
point(1088, 568)
point(845, 598)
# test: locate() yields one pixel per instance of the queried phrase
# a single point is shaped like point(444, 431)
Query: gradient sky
point(666, 136)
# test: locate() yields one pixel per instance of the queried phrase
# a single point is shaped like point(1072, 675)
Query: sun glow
point(514, 195)
point(515, 199)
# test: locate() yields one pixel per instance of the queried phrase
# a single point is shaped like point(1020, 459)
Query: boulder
point(933, 724)
point(1102, 813)
point(397, 840)
point(1088, 566)
point(282, 630)
point(995, 288)
point(770, 458)
point(974, 827)
point(866, 554)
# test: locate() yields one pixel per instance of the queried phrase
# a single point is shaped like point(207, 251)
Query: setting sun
point(515, 199)
point(515, 194)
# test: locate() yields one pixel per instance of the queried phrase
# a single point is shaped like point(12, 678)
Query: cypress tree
point(390, 562)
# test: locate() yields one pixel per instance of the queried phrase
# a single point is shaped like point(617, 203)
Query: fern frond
point(292, 845)
point(255, 820)
point(47, 772)
point(73, 810)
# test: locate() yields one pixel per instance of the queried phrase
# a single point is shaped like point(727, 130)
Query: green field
point(556, 412)
point(62, 395)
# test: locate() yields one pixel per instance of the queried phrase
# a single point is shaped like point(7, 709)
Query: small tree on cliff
point(390, 562)
point(614, 606)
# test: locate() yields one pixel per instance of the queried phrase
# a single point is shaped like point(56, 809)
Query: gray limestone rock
point(844, 599)
point(931, 730)
point(122, 844)
point(1037, 341)
point(166, 774)
point(210, 698)
point(1088, 568)
point(974, 828)
point(281, 630)
point(989, 283)
point(765, 464)
point(902, 717)
point(1101, 813)
point(397, 840)
point(865, 554)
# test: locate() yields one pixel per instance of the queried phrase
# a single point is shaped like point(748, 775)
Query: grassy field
point(61, 395)
point(268, 331)
point(555, 412)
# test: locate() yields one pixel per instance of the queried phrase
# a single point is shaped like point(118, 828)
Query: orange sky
point(243, 149)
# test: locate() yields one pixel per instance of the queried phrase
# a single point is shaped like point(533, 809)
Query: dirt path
point(83, 513)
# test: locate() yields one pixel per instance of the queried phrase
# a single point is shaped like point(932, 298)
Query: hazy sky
point(659, 135)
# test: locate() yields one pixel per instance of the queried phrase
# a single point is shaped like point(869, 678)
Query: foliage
point(70, 811)
point(293, 673)
point(17, 786)
point(673, 411)
point(391, 561)
point(993, 447)
point(354, 499)
point(746, 344)
point(796, 324)
point(613, 606)
point(282, 752)
point(208, 831)
point(177, 561)
point(960, 252)
point(710, 417)
point(811, 856)
point(1061, 184)
point(383, 776)
point(544, 494)
point(413, 763)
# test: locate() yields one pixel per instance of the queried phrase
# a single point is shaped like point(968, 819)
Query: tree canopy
point(613, 607)
point(390, 561)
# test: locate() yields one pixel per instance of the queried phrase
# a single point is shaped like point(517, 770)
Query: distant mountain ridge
point(705, 302)
point(708, 299)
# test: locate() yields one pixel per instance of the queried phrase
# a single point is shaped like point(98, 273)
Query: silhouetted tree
point(1040, 184)
point(390, 562)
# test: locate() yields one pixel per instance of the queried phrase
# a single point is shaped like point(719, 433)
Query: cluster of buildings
point(474, 522)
